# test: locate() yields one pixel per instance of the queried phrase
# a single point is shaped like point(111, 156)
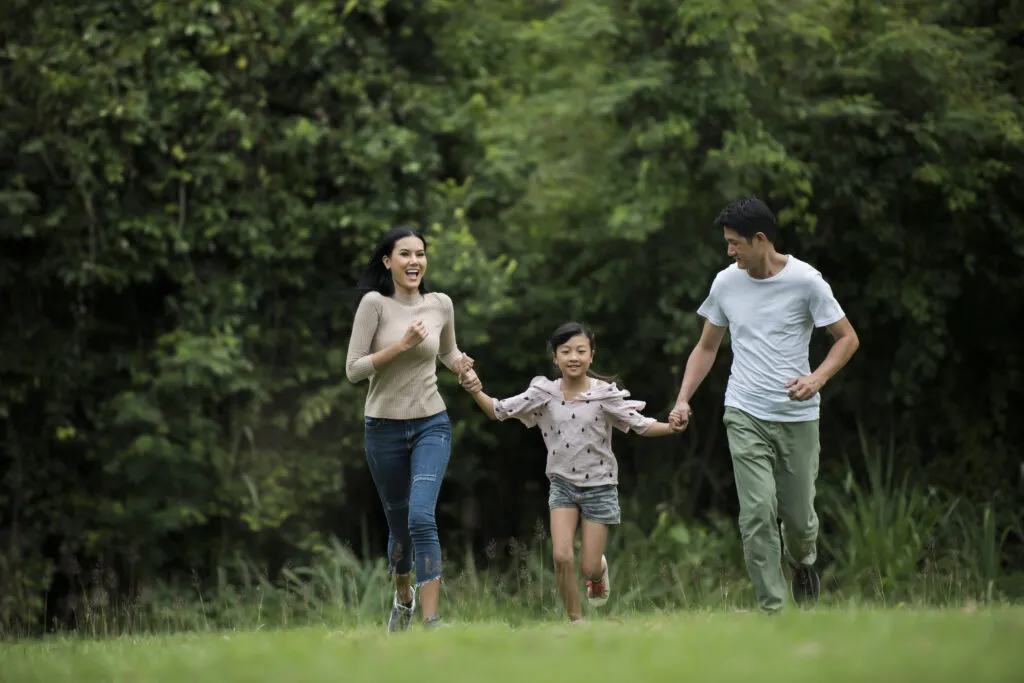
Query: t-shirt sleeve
point(526, 407)
point(824, 307)
point(625, 415)
point(711, 309)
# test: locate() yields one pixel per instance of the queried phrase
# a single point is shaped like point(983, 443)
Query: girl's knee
point(563, 558)
point(590, 569)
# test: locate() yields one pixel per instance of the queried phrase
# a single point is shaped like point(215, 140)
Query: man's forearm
point(698, 365)
point(838, 356)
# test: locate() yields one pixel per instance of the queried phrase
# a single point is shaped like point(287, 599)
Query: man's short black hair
point(749, 216)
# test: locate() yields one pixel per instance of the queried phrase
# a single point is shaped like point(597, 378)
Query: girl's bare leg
point(563, 533)
point(594, 538)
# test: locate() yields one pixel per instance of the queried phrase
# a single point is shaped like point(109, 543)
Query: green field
point(824, 646)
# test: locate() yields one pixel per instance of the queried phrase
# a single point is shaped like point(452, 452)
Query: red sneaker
point(598, 591)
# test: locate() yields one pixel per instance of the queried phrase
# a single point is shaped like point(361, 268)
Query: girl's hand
point(470, 382)
point(680, 416)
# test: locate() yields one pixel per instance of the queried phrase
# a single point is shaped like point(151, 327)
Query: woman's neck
point(406, 295)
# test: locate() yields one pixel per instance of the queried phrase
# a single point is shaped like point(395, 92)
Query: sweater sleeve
point(358, 364)
point(448, 351)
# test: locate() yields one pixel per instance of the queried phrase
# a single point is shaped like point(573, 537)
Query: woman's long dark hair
point(569, 330)
point(377, 278)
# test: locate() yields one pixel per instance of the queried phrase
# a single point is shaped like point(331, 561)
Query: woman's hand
point(414, 336)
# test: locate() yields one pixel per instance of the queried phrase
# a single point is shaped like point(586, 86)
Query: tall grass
point(885, 540)
point(893, 540)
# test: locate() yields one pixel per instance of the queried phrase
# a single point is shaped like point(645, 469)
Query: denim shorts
point(599, 504)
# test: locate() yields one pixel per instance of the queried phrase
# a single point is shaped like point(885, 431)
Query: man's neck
point(772, 263)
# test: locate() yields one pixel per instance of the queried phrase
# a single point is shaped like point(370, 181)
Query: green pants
point(775, 465)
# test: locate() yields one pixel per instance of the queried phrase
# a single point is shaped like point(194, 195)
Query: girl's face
point(407, 263)
point(574, 357)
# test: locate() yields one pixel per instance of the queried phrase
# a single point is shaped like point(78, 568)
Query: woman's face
point(407, 263)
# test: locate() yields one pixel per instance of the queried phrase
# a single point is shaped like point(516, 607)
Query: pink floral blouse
point(577, 433)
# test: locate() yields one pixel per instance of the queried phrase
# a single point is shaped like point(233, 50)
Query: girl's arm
point(471, 383)
point(626, 416)
point(485, 402)
point(662, 429)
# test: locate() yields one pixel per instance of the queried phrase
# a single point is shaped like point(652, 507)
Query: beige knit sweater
point(407, 387)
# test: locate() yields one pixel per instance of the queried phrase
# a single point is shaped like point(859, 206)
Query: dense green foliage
point(187, 191)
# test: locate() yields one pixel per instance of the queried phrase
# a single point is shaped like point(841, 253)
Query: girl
point(399, 332)
point(576, 414)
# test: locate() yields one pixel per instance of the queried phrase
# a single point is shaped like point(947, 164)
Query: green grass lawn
point(824, 646)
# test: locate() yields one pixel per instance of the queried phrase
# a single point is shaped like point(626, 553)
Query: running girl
point(576, 413)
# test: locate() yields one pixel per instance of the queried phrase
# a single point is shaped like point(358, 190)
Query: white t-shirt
point(770, 323)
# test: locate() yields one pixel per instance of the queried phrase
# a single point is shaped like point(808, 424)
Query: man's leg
point(799, 448)
point(753, 460)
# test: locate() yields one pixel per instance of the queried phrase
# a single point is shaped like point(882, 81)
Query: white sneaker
point(401, 615)
point(598, 591)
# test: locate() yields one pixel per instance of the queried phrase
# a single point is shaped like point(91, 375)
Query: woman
point(399, 331)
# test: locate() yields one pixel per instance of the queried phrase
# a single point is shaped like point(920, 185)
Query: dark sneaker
point(805, 586)
point(401, 614)
point(435, 622)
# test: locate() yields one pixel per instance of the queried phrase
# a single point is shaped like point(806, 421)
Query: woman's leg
point(387, 456)
point(431, 450)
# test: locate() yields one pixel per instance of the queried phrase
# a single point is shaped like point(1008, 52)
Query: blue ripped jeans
point(408, 460)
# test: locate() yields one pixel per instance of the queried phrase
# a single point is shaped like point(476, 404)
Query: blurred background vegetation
point(188, 189)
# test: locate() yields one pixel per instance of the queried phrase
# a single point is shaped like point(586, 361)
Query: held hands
point(463, 365)
point(679, 418)
point(470, 382)
point(803, 388)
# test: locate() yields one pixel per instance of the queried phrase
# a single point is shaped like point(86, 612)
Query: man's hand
point(803, 388)
point(679, 418)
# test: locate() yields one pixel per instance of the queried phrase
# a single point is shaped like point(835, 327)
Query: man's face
point(742, 251)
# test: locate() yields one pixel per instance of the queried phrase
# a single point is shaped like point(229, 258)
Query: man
point(770, 302)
